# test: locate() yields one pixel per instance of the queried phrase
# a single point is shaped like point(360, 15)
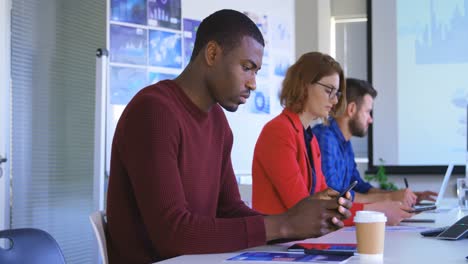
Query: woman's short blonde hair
point(310, 68)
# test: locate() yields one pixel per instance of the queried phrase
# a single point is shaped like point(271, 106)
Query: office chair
point(30, 245)
point(98, 222)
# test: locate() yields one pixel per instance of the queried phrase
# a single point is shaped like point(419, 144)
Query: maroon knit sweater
point(172, 189)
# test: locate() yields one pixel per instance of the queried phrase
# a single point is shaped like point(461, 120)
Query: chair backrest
point(98, 222)
point(30, 245)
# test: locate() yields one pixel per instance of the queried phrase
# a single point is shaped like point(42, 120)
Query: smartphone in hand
point(349, 188)
point(422, 208)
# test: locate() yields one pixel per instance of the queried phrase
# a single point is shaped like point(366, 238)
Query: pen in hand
point(406, 183)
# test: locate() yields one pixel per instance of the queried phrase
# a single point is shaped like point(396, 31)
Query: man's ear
point(351, 109)
point(212, 51)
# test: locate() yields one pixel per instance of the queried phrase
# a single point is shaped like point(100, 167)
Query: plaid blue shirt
point(338, 163)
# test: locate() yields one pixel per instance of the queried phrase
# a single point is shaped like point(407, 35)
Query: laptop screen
point(443, 187)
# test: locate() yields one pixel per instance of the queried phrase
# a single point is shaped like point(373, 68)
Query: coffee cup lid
point(369, 217)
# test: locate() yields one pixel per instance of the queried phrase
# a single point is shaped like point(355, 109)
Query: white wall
point(312, 19)
point(201, 9)
point(348, 8)
point(312, 22)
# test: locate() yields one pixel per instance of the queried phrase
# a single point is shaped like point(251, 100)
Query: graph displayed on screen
point(443, 37)
point(420, 112)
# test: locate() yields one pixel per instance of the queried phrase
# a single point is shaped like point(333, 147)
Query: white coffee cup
point(370, 233)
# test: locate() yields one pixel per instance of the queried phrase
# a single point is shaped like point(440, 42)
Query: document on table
point(285, 257)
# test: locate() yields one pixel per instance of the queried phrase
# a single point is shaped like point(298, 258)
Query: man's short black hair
point(226, 27)
point(356, 90)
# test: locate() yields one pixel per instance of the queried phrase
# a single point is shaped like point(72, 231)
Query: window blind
point(53, 47)
point(351, 51)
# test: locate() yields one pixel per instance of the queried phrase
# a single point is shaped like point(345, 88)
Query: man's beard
point(356, 129)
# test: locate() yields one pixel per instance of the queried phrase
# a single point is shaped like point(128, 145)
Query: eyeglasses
point(330, 90)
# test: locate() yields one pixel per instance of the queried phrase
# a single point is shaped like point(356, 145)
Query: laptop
point(443, 187)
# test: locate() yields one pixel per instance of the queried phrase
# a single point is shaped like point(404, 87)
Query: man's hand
point(426, 195)
point(308, 218)
point(394, 211)
point(327, 194)
point(314, 218)
point(406, 196)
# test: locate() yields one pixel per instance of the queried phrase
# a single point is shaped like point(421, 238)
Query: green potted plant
point(381, 178)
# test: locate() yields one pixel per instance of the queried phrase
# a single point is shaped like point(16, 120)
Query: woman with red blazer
point(287, 162)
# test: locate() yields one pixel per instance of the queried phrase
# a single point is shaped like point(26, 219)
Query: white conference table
point(400, 246)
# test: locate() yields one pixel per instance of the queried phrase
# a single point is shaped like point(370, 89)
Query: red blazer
point(281, 172)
